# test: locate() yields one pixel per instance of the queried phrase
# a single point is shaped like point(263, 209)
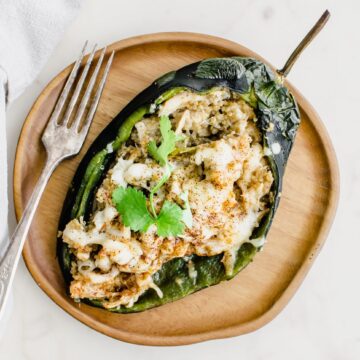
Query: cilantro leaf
point(169, 221)
point(169, 139)
point(153, 151)
point(131, 204)
point(118, 194)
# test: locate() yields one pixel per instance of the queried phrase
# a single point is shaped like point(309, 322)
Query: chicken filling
point(219, 169)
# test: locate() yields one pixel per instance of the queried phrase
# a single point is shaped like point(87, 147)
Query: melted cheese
point(192, 271)
point(137, 174)
point(215, 158)
point(276, 148)
point(103, 262)
point(118, 170)
point(79, 238)
point(102, 278)
point(104, 217)
point(246, 226)
point(221, 182)
point(178, 101)
point(229, 259)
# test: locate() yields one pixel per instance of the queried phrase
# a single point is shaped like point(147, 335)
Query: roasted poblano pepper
point(277, 119)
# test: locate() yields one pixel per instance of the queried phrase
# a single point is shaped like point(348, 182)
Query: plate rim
point(286, 295)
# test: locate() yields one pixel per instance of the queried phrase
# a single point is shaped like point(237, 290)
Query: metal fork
point(62, 138)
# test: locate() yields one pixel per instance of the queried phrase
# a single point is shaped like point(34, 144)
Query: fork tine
point(96, 99)
point(65, 92)
point(85, 99)
point(78, 88)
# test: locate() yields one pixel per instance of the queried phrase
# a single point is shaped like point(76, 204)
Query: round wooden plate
point(236, 307)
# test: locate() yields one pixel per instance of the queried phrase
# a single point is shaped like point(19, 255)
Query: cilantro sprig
point(169, 222)
point(132, 204)
point(168, 142)
point(161, 154)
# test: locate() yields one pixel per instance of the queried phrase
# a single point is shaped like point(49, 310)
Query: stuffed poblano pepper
point(179, 191)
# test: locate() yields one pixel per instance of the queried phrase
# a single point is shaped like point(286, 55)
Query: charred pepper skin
point(278, 119)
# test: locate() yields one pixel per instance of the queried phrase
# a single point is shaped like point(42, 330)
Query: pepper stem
point(303, 44)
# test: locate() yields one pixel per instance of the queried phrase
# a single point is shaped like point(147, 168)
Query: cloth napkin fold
point(29, 32)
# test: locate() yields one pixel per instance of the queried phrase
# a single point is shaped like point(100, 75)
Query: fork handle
point(9, 262)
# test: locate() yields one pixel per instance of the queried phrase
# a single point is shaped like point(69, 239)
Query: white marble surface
point(322, 321)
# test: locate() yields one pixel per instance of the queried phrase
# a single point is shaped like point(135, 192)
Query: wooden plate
point(236, 307)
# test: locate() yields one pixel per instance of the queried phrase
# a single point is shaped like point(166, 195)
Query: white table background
point(322, 320)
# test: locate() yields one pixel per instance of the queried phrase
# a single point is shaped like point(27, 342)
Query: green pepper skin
point(278, 119)
point(175, 282)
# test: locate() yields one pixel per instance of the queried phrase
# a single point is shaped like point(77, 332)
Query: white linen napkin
point(29, 32)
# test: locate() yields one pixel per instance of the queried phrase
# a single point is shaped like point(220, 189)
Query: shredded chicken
point(221, 167)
